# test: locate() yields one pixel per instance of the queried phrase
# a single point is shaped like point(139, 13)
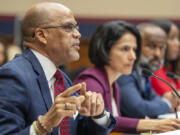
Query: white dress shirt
point(114, 108)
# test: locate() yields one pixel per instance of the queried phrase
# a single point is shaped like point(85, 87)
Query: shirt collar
point(47, 65)
point(139, 70)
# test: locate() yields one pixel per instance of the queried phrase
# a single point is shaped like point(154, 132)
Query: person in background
point(3, 53)
point(171, 60)
point(114, 49)
point(37, 98)
point(12, 50)
point(178, 65)
point(138, 98)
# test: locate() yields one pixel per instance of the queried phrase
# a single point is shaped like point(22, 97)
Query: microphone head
point(146, 72)
point(170, 74)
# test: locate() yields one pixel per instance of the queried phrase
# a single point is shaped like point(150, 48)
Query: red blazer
point(160, 87)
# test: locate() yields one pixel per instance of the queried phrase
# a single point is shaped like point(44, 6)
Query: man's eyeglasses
point(68, 28)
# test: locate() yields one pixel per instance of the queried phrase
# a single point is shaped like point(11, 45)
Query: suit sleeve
point(13, 98)
point(134, 105)
point(87, 126)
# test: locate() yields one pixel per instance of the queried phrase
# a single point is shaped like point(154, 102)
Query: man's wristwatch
point(101, 115)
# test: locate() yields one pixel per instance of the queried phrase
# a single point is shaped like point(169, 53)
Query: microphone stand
point(173, 75)
point(174, 90)
point(148, 73)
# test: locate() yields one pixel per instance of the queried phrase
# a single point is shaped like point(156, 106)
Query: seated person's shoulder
point(127, 78)
point(93, 83)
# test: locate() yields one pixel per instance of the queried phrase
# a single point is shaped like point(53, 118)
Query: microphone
point(172, 75)
point(149, 73)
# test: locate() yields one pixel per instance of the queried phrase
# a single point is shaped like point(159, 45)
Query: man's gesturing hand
point(63, 106)
point(93, 104)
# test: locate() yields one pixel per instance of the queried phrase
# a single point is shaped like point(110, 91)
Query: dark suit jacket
point(133, 100)
point(96, 80)
point(25, 94)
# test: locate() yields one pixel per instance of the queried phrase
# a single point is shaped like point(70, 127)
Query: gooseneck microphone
point(149, 73)
point(172, 75)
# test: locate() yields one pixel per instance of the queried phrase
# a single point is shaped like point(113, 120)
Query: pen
point(176, 112)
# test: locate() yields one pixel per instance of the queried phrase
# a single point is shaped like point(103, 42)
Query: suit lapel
point(41, 78)
point(44, 88)
point(138, 78)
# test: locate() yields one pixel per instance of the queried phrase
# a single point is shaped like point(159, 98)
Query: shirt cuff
point(168, 102)
point(104, 121)
point(32, 131)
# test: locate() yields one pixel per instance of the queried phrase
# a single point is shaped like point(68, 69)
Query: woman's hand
point(162, 125)
point(172, 98)
point(165, 125)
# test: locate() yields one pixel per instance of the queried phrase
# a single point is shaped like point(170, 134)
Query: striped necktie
point(59, 88)
point(147, 87)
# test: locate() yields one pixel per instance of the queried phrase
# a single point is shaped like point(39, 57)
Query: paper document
point(176, 132)
point(169, 115)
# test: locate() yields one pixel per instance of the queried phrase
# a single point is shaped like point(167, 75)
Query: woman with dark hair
point(114, 50)
point(171, 58)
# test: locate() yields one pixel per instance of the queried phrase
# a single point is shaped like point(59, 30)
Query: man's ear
point(41, 35)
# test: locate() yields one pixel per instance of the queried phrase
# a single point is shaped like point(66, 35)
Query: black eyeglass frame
point(67, 28)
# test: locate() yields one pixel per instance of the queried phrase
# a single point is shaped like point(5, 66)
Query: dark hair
point(163, 24)
point(105, 36)
point(166, 26)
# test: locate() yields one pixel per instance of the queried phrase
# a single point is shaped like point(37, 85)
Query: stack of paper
point(176, 132)
point(169, 115)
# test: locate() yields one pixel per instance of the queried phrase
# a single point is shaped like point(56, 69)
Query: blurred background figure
point(168, 70)
point(114, 48)
point(12, 50)
point(3, 53)
point(178, 66)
